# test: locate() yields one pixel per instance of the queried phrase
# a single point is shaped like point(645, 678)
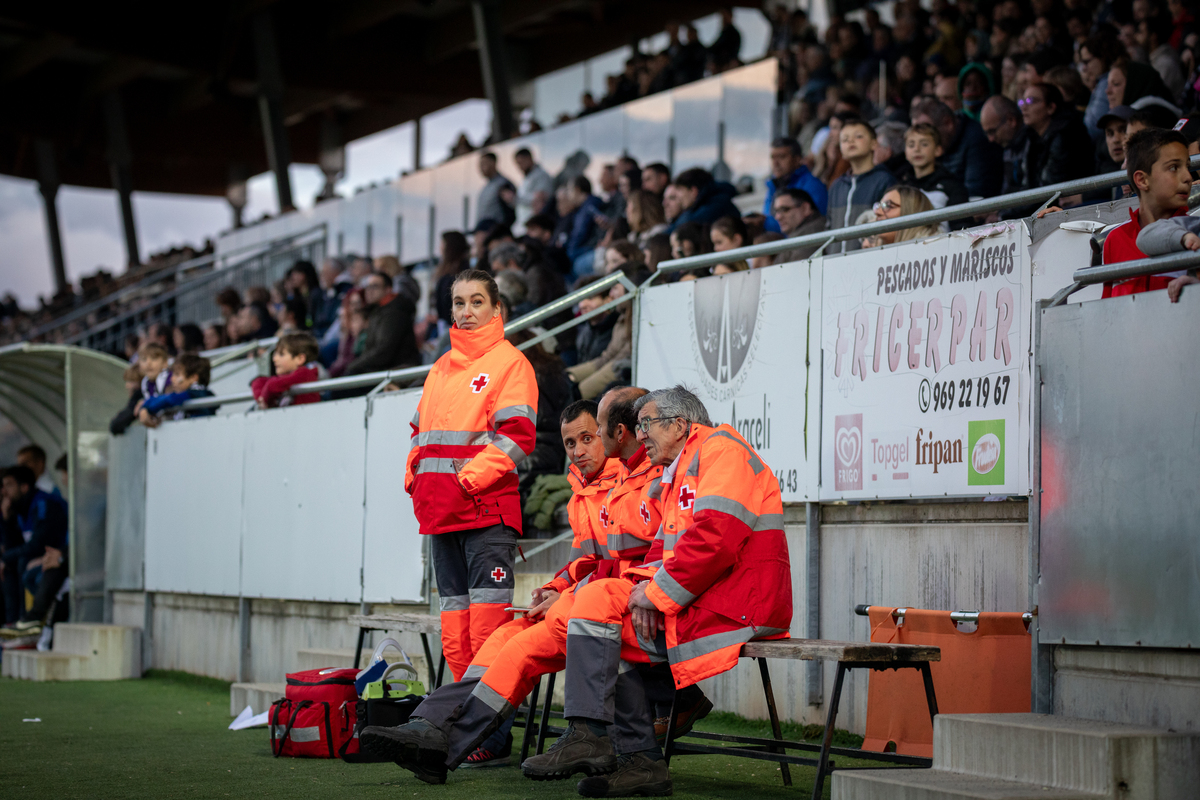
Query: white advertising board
point(926, 369)
point(742, 342)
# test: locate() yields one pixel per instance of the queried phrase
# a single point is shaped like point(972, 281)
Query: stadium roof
point(187, 78)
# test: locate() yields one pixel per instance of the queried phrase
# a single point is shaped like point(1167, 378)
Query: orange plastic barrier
point(985, 671)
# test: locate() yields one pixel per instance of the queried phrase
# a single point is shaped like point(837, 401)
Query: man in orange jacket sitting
point(611, 534)
point(717, 576)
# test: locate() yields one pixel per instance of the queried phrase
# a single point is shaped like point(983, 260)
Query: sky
point(90, 218)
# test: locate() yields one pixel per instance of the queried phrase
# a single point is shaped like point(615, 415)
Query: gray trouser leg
point(442, 705)
point(632, 730)
point(478, 719)
point(593, 658)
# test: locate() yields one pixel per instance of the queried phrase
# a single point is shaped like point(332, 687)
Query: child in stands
point(189, 381)
point(295, 360)
point(1157, 163)
point(153, 361)
point(858, 190)
point(922, 149)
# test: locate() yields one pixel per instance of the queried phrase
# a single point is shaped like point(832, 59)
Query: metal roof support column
point(48, 186)
point(494, 65)
point(270, 106)
point(119, 160)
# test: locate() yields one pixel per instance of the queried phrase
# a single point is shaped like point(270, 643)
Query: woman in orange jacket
point(476, 421)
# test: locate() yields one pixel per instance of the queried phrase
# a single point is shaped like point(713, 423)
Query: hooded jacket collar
point(473, 344)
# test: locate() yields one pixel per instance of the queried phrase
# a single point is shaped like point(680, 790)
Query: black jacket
point(390, 340)
point(940, 180)
point(1064, 152)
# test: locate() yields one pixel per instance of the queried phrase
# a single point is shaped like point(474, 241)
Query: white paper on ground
point(35, 719)
point(248, 719)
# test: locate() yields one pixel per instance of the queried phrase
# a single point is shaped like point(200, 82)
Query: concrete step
point(113, 652)
point(1104, 758)
point(259, 696)
point(938, 784)
point(30, 665)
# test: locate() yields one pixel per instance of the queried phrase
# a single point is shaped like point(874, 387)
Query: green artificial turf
point(166, 736)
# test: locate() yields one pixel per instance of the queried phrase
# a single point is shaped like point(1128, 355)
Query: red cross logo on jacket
point(604, 516)
point(644, 513)
point(481, 380)
point(498, 574)
point(686, 498)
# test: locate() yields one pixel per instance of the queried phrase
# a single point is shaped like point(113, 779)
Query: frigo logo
point(725, 313)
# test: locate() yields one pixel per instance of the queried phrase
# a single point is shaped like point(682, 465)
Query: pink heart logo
point(849, 444)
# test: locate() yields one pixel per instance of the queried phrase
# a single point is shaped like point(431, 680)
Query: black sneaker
point(419, 746)
point(636, 776)
point(577, 750)
point(483, 757)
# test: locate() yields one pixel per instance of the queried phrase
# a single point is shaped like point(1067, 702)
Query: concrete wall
point(1157, 688)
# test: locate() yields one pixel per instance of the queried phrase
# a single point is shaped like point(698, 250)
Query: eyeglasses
point(1028, 101)
point(785, 209)
point(643, 424)
point(884, 206)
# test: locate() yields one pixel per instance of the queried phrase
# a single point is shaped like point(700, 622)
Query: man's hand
point(647, 619)
point(1175, 287)
point(147, 419)
point(543, 598)
point(1191, 241)
point(137, 409)
point(53, 558)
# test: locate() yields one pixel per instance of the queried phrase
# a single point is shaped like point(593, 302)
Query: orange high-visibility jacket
point(480, 406)
point(632, 513)
point(719, 567)
point(583, 512)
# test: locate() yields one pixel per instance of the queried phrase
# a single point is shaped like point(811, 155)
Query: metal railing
point(1123, 270)
point(1043, 195)
point(377, 380)
point(863, 610)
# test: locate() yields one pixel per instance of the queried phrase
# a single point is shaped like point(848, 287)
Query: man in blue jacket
point(967, 153)
point(585, 233)
point(704, 199)
point(788, 172)
point(32, 521)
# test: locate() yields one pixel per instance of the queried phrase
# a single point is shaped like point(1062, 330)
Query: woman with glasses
point(900, 201)
point(1063, 151)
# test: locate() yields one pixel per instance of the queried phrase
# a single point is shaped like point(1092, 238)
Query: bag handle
point(288, 731)
point(404, 665)
point(386, 643)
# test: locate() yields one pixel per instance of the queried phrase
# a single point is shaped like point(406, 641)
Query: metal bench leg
point(541, 737)
point(774, 714)
point(441, 671)
point(362, 634)
point(530, 715)
point(669, 745)
point(827, 741)
point(428, 661)
point(930, 697)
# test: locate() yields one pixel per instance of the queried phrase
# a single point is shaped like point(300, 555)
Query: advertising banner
point(743, 343)
point(926, 369)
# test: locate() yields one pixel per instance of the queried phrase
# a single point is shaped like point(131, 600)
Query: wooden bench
point(423, 624)
point(848, 655)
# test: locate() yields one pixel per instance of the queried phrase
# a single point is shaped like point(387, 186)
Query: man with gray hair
point(722, 540)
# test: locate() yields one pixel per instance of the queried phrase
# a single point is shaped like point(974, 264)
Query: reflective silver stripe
point(455, 602)
point(444, 466)
point(656, 489)
point(662, 530)
point(726, 505)
point(686, 651)
point(474, 671)
point(672, 588)
point(584, 581)
point(491, 596)
point(670, 541)
point(694, 467)
point(654, 648)
point(425, 438)
point(509, 448)
point(769, 522)
point(594, 629)
point(756, 463)
point(620, 542)
point(574, 554)
point(511, 412)
point(416, 420)
point(297, 735)
point(590, 547)
point(492, 699)
point(654, 564)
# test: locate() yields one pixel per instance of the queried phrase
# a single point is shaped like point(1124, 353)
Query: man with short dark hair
point(32, 521)
point(789, 172)
point(584, 234)
point(34, 457)
point(536, 190)
point(655, 178)
point(703, 199)
point(967, 153)
point(798, 216)
point(390, 342)
point(491, 203)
